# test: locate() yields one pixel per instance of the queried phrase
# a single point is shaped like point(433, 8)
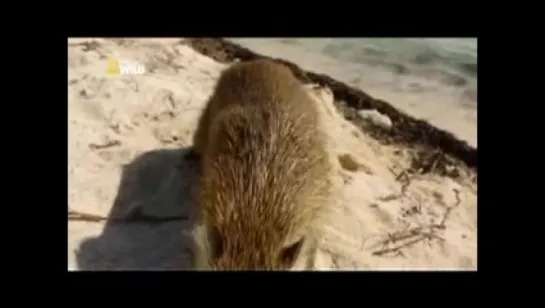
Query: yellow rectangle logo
point(116, 67)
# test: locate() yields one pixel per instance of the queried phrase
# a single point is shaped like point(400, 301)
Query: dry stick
point(92, 45)
point(407, 182)
point(435, 161)
point(404, 186)
point(135, 217)
point(449, 209)
point(87, 45)
point(74, 215)
point(418, 232)
point(111, 143)
point(397, 249)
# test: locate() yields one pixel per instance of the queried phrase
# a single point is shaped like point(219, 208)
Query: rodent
point(264, 171)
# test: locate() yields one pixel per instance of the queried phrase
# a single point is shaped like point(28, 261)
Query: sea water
point(430, 78)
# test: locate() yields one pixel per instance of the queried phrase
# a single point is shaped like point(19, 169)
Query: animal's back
point(255, 82)
point(265, 169)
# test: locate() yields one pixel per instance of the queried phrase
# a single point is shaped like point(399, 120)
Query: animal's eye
point(216, 242)
point(289, 253)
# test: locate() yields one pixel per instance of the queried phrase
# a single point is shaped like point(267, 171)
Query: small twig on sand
point(134, 217)
point(403, 177)
point(74, 215)
point(417, 234)
point(397, 249)
point(449, 209)
point(436, 157)
point(112, 143)
point(407, 181)
point(87, 45)
point(91, 45)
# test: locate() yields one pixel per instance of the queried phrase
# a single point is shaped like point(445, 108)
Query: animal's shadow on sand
point(159, 184)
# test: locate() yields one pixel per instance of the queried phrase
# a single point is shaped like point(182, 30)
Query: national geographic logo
point(116, 67)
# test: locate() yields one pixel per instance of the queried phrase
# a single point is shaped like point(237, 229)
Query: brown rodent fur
point(264, 182)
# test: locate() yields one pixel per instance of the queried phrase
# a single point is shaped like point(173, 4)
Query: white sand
point(152, 117)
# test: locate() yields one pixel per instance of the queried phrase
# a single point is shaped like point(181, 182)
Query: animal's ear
point(289, 253)
point(216, 242)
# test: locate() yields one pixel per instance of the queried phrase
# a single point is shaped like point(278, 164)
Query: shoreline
point(431, 92)
point(406, 130)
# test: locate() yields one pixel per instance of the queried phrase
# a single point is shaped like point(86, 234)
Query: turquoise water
point(448, 62)
point(429, 78)
point(401, 55)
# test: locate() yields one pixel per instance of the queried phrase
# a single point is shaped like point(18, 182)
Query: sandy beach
point(407, 190)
